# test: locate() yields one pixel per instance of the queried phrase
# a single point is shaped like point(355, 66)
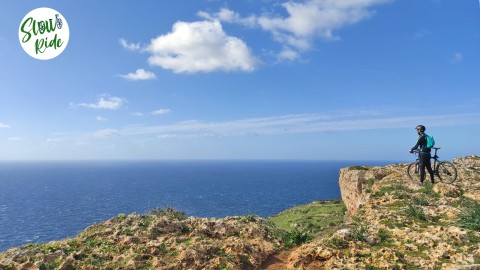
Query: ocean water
point(44, 201)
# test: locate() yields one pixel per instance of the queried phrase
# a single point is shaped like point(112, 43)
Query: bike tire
point(413, 172)
point(446, 172)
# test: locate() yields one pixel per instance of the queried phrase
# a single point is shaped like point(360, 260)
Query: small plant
point(370, 182)
point(383, 235)
point(337, 242)
point(358, 168)
point(428, 190)
point(420, 200)
point(249, 218)
point(169, 212)
point(122, 216)
point(469, 218)
point(416, 212)
point(359, 232)
point(387, 189)
point(296, 238)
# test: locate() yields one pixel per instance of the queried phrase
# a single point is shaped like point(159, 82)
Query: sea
point(45, 201)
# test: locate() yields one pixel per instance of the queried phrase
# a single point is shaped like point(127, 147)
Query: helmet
point(421, 127)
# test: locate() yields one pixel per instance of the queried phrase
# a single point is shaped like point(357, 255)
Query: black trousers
point(424, 162)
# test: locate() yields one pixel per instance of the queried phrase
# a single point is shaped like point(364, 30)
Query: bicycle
point(443, 170)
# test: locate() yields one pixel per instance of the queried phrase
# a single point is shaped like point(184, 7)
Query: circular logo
point(43, 33)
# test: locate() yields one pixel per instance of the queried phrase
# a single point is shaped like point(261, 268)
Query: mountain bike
point(445, 171)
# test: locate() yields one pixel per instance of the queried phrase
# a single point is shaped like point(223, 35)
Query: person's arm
point(416, 145)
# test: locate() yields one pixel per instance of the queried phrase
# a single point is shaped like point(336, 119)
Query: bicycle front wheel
point(413, 172)
point(446, 172)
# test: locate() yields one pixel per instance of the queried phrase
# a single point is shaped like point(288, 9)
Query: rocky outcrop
point(162, 239)
point(355, 181)
point(395, 223)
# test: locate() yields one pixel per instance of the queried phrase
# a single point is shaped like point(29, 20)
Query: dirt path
point(277, 261)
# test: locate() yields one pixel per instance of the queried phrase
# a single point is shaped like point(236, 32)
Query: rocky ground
point(390, 223)
point(394, 223)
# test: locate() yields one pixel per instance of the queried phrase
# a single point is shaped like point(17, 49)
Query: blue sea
point(44, 201)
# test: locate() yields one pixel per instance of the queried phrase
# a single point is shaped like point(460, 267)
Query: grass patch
point(296, 238)
point(387, 189)
point(359, 230)
point(420, 200)
point(358, 168)
point(316, 218)
point(469, 218)
point(427, 189)
point(337, 242)
point(169, 212)
point(383, 235)
point(416, 212)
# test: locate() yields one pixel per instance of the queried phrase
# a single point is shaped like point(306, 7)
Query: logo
point(44, 33)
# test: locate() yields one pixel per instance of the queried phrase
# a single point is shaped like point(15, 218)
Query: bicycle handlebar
point(418, 151)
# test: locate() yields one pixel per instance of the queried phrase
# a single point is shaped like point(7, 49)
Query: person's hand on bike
point(410, 151)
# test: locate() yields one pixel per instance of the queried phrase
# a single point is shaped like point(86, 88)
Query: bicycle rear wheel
point(413, 172)
point(446, 172)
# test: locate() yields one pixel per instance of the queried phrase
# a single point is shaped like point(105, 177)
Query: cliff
point(390, 223)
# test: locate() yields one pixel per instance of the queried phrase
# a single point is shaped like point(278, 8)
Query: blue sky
point(265, 79)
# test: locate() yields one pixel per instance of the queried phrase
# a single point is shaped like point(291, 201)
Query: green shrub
point(416, 213)
point(383, 235)
point(169, 212)
point(336, 242)
point(469, 218)
point(296, 238)
point(428, 190)
point(359, 230)
point(420, 200)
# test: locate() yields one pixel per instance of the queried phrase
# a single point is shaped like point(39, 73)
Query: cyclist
point(424, 155)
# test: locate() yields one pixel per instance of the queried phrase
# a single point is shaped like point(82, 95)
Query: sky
point(263, 79)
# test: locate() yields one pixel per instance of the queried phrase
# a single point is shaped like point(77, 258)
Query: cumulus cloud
point(161, 112)
point(139, 74)
point(104, 102)
point(227, 15)
point(4, 125)
point(130, 46)
point(200, 46)
point(304, 21)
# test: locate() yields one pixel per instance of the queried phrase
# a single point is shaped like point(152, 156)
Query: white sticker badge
point(44, 33)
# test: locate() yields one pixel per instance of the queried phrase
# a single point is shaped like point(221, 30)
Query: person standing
point(424, 154)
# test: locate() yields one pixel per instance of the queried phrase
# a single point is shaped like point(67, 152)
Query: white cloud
point(161, 112)
point(105, 133)
point(300, 123)
point(140, 74)
point(457, 57)
point(15, 139)
point(288, 54)
point(130, 46)
point(305, 21)
point(137, 114)
point(101, 119)
point(226, 15)
point(4, 125)
point(200, 47)
point(166, 136)
point(104, 102)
